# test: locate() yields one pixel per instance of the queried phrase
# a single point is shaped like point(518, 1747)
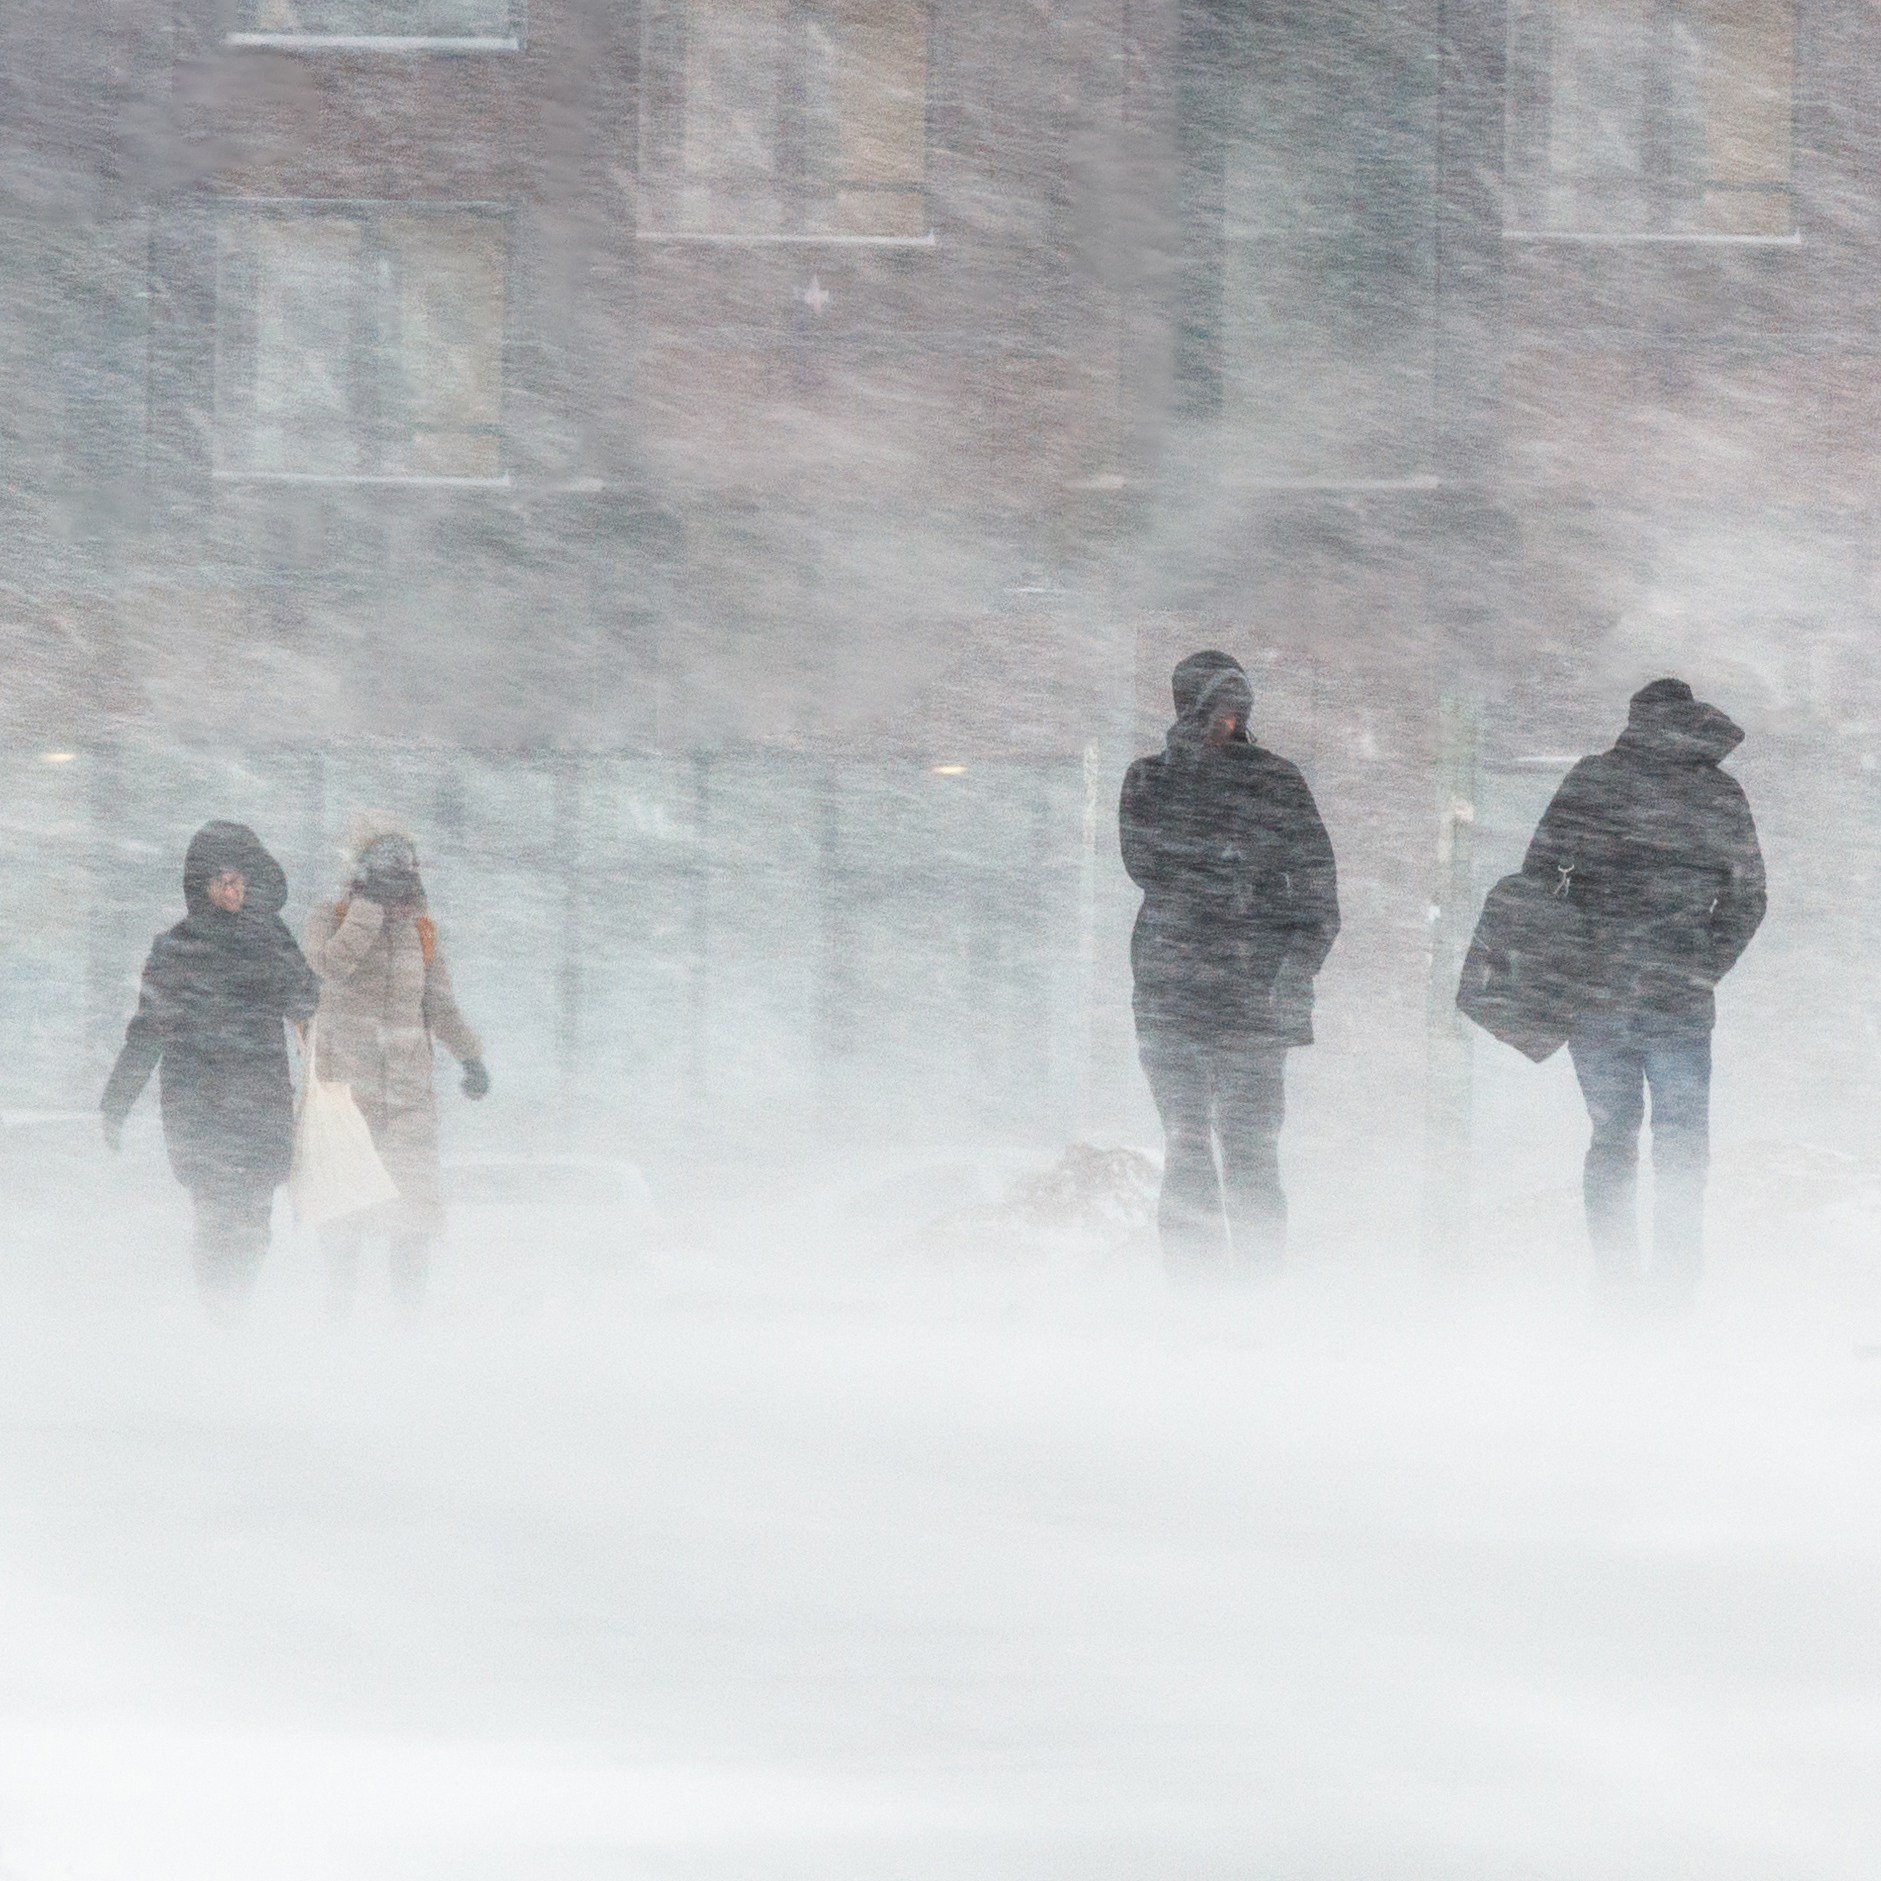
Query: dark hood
point(1195, 673)
point(219, 846)
point(1670, 729)
point(1202, 683)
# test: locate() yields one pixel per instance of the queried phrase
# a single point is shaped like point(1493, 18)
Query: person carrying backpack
point(219, 990)
point(385, 995)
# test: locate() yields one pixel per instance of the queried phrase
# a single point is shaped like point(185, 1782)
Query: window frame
point(1525, 122)
point(792, 134)
point(365, 212)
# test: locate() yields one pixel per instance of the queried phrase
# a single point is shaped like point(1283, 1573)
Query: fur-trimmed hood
point(363, 829)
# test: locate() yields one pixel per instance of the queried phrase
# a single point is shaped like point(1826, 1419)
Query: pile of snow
point(1090, 1202)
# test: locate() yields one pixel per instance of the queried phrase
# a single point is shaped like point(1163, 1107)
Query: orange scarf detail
point(427, 929)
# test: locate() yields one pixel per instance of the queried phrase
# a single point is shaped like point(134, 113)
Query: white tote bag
point(337, 1170)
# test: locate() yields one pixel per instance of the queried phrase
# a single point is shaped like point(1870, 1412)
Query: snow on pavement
point(765, 1560)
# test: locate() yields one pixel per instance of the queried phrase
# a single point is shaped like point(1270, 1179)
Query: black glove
point(388, 872)
point(476, 1079)
point(388, 887)
point(113, 1132)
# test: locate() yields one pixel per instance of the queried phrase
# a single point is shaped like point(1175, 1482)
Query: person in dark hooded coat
point(1240, 908)
point(1656, 847)
point(218, 991)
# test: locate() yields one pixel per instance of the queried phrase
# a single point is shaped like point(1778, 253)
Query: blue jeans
point(1229, 1095)
point(1619, 1060)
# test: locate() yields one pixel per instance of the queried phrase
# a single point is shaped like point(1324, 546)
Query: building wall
point(703, 446)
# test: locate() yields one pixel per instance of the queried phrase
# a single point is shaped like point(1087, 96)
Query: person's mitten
point(476, 1079)
point(1293, 1004)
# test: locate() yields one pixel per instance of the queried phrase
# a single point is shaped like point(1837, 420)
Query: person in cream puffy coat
point(385, 996)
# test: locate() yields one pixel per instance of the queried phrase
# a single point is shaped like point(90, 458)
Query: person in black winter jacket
point(218, 990)
point(1655, 846)
point(1240, 908)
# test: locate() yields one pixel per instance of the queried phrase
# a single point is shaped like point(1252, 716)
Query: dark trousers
point(1618, 1061)
point(232, 1228)
point(1230, 1098)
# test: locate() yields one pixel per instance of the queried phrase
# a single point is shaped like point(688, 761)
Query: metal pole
point(699, 977)
point(1085, 1043)
point(1447, 1093)
point(568, 857)
point(111, 956)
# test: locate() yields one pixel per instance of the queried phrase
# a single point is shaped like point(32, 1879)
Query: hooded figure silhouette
point(218, 989)
point(1656, 847)
point(1240, 908)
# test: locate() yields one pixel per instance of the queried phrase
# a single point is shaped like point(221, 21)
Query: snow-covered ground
point(787, 1548)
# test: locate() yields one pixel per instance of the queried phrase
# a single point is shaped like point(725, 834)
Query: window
point(481, 25)
point(359, 342)
point(1648, 118)
point(781, 119)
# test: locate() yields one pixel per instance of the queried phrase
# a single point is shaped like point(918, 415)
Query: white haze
point(782, 1547)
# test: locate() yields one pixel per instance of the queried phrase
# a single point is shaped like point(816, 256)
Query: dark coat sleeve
point(151, 1028)
point(300, 984)
point(1136, 825)
point(1739, 909)
point(1312, 881)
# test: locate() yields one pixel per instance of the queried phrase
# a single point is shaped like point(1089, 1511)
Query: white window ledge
point(678, 238)
point(1358, 486)
point(405, 205)
point(1618, 238)
point(373, 42)
point(417, 483)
